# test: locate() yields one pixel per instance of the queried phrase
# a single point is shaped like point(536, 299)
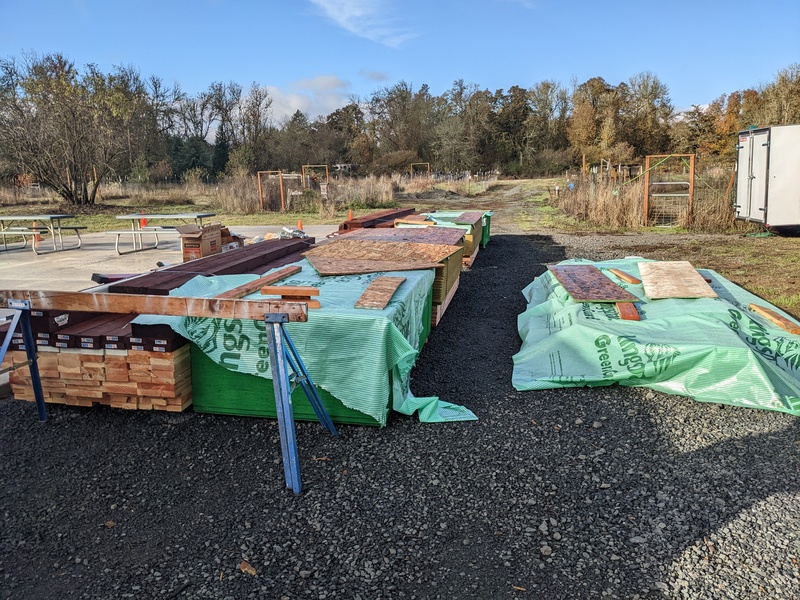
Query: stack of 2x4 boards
point(88, 359)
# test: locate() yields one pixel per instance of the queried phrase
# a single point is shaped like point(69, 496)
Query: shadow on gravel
point(556, 494)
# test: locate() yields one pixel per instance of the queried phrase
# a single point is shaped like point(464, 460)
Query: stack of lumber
point(129, 379)
point(384, 218)
point(253, 258)
point(472, 238)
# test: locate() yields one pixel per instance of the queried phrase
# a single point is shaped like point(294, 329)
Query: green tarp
point(348, 352)
point(710, 349)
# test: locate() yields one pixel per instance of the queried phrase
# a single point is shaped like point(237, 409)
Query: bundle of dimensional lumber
point(253, 258)
point(95, 331)
point(384, 218)
point(471, 221)
point(128, 379)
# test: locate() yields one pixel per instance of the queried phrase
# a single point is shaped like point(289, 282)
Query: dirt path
point(765, 266)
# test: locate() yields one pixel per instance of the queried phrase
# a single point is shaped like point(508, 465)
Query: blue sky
point(314, 55)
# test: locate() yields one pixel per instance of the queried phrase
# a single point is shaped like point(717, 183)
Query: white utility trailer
point(768, 177)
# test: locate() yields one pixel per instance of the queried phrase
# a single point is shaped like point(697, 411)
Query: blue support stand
point(22, 316)
point(283, 356)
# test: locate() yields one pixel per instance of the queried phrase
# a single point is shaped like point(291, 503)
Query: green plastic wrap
point(710, 349)
point(362, 357)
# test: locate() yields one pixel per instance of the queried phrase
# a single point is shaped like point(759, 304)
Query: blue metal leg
point(283, 401)
point(282, 356)
point(304, 379)
point(30, 350)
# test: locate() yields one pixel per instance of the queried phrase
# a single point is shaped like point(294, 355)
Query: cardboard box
point(197, 242)
point(232, 242)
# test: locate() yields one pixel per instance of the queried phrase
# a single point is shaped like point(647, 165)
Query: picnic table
point(39, 225)
point(140, 227)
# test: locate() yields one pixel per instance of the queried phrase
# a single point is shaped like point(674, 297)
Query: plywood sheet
point(346, 266)
point(448, 236)
point(350, 257)
point(673, 279)
point(471, 217)
point(379, 292)
point(373, 250)
point(586, 283)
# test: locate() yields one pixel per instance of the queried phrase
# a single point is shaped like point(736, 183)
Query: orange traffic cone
point(300, 224)
point(350, 215)
point(142, 221)
point(36, 236)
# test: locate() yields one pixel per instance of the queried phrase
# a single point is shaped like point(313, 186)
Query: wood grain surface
point(379, 292)
point(586, 283)
point(673, 279)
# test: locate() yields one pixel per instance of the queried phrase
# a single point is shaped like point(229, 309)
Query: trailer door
point(743, 168)
point(759, 159)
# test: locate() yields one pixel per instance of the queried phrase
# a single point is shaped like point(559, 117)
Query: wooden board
point(156, 305)
point(776, 318)
point(627, 311)
point(254, 286)
point(673, 279)
point(586, 283)
point(379, 292)
point(449, 236)
point(344, 266)
point(290, 290)
point(626, 277)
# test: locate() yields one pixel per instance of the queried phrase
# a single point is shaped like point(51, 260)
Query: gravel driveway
point(586, 493)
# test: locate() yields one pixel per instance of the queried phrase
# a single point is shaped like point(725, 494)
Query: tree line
point(72, 128)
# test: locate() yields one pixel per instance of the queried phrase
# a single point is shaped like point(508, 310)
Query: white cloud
point(315, 97)
point(374, 75)
point(368, 19)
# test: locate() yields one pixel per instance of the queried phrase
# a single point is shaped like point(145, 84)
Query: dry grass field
point(768, 266)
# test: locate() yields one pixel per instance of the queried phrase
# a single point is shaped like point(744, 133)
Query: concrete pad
point(71, 270)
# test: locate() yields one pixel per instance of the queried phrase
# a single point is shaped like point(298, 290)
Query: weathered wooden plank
point(586, 283)
point(673, 279)
point(254, 286)
point(776, 318)
point(627, 311)
point(379, 292)
point(156, 305)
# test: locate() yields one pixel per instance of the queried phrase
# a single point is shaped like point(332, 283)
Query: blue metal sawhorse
point(284, 356)
point(19, 312)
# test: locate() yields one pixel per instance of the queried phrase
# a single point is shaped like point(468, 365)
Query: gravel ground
point(587, 493)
